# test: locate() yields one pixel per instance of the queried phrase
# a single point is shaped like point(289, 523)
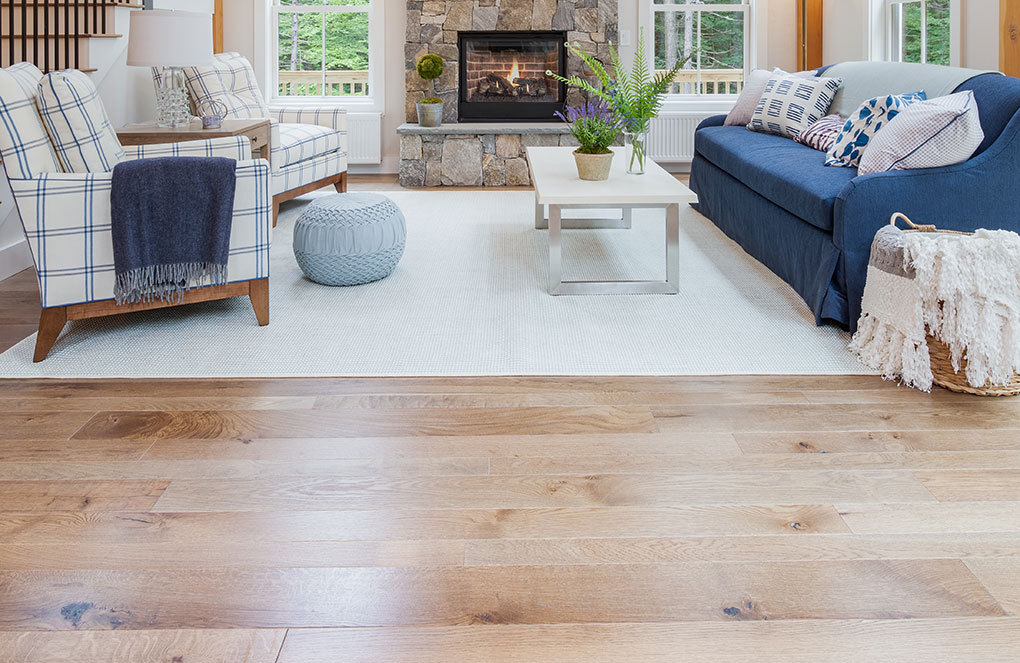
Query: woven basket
point(940, 354)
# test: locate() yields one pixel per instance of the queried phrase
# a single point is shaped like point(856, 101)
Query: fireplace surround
point(503, 75)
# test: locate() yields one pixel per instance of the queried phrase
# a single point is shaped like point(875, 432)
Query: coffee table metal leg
point(540, 223)
point(673, 246)
point(555, 251)
point(626, 220)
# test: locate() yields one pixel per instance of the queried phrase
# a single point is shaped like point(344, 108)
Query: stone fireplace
point(476, 149)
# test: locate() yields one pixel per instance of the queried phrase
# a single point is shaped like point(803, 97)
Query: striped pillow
point(928, 134)
point(74, 116)
point(822, 134)
point(791, 104)
point(25, 147)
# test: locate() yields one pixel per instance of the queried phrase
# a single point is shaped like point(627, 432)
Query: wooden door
point(809, 34)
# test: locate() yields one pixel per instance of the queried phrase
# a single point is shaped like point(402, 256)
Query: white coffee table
point(554, 176)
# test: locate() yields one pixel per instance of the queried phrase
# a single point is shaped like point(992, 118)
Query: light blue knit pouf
point(349, 238)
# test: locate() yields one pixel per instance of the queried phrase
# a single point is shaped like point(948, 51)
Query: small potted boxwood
point(595, 127)
point(430, 109)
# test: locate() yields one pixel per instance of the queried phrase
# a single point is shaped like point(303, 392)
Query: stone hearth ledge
point(474, 154)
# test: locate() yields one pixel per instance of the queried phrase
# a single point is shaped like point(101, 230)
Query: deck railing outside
point(712, 81)
point(310, 84)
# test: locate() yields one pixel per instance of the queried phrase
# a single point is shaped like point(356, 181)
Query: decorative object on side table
point(430, 109)
point(595, 127)
point(212, 113)
point(349, 238)
point(636, 96)
point(171, 40)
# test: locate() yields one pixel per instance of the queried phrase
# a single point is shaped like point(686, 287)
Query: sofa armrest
point(231, 147)
point(713, 121)
point(66, 219)
point(965, 196)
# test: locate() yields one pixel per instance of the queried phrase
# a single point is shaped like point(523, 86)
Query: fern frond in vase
point(636, 96)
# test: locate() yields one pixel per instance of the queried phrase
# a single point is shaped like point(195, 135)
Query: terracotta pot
point(593, 167)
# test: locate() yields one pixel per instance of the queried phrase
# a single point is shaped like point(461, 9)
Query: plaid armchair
point(308, 146)
point(66, 215)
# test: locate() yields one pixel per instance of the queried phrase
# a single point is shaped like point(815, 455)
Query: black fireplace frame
point(509, 111)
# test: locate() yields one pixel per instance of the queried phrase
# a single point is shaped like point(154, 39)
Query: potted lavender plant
point(595, 127)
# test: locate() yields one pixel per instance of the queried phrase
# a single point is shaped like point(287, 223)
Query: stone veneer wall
point(432, 27)
point(437, 159)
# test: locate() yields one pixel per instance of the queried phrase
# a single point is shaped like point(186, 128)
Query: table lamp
point(170, 40)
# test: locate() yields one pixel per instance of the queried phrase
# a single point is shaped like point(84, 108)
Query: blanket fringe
point(884, 348)
point(166, 282)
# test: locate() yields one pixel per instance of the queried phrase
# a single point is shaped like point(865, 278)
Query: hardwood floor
point(795, 519)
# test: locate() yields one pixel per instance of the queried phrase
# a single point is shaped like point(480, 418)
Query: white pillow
point(790, 104)
point(25, 147)
point(74, 116)
point(231, 81)
point(926, 134)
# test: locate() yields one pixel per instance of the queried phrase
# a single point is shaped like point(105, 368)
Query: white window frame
point(754, 48)
point(893, 47)
point(373, 101)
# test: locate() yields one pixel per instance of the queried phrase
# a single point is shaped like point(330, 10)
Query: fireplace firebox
point(502, 75)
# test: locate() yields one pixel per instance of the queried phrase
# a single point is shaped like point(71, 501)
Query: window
point(714, 32)
point(325, 49)
point(919, 31)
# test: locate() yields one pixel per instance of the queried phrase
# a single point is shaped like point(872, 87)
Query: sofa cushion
point(25, 147)
point(928, 134)
point(300, 142)
point(863, 124)
point(231, 81)
point(77, 122)
point(785, 172)
point(791, 104)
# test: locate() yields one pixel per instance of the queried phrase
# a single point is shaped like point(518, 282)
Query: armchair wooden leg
point(258, 293)
point(51, 323)
point(276, 209)
point(341, 184)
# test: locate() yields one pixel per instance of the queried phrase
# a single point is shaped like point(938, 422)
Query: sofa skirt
point(796, 251)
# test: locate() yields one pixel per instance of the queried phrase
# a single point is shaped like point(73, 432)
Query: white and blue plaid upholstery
point(230, 81)
point(77, 123)
point(300, 155)
point(308, 171)
point(229, 147)
point(25, 147)
point(66, 216)
point(294, 143)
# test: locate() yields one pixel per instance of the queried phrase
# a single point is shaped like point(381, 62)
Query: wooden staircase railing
point(55, 34)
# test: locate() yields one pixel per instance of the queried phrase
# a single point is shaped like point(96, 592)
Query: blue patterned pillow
point(865, 123)
point(791, 103)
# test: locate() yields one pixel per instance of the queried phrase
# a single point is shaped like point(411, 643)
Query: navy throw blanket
point(171, 225)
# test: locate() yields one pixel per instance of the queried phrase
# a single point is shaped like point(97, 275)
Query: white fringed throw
point(963, 290)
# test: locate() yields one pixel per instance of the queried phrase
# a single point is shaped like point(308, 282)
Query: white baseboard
point(14, 258)
point(389, 164)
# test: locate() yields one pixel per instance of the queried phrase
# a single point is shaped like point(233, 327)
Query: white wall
point(980, 27)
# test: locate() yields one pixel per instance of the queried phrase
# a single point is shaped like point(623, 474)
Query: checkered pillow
point(928, 134)
point(862, 126)
point(822, 134)
point(230, 81)
point(24, 145)
point(74, 116)
point(790, 104)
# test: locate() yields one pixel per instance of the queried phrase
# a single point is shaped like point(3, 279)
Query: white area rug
point(469, 298)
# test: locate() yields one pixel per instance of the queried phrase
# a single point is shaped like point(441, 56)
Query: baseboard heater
point(671, 136)
point(364, 138)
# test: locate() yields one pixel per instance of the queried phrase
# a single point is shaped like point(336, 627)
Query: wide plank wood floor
point(775, 518)
point(725, 519)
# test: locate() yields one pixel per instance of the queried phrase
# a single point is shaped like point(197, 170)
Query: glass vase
point(636, 143)
point(172, 107)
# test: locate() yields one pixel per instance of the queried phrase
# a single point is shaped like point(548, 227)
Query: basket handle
point(913, 226)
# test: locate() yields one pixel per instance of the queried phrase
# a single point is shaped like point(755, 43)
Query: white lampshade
point(161, 38)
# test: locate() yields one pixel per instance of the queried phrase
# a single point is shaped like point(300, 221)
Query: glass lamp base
point(172, 106)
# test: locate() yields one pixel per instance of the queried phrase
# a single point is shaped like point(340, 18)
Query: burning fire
point(514, 74)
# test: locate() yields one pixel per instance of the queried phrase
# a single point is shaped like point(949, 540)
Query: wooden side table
point(149, 134)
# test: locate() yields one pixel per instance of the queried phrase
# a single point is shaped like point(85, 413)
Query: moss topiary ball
point(430, 66)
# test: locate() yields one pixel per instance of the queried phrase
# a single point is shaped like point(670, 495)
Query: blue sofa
point(813, 225)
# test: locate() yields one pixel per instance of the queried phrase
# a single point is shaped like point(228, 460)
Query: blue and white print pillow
point(865, 122)
point(790, 104)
